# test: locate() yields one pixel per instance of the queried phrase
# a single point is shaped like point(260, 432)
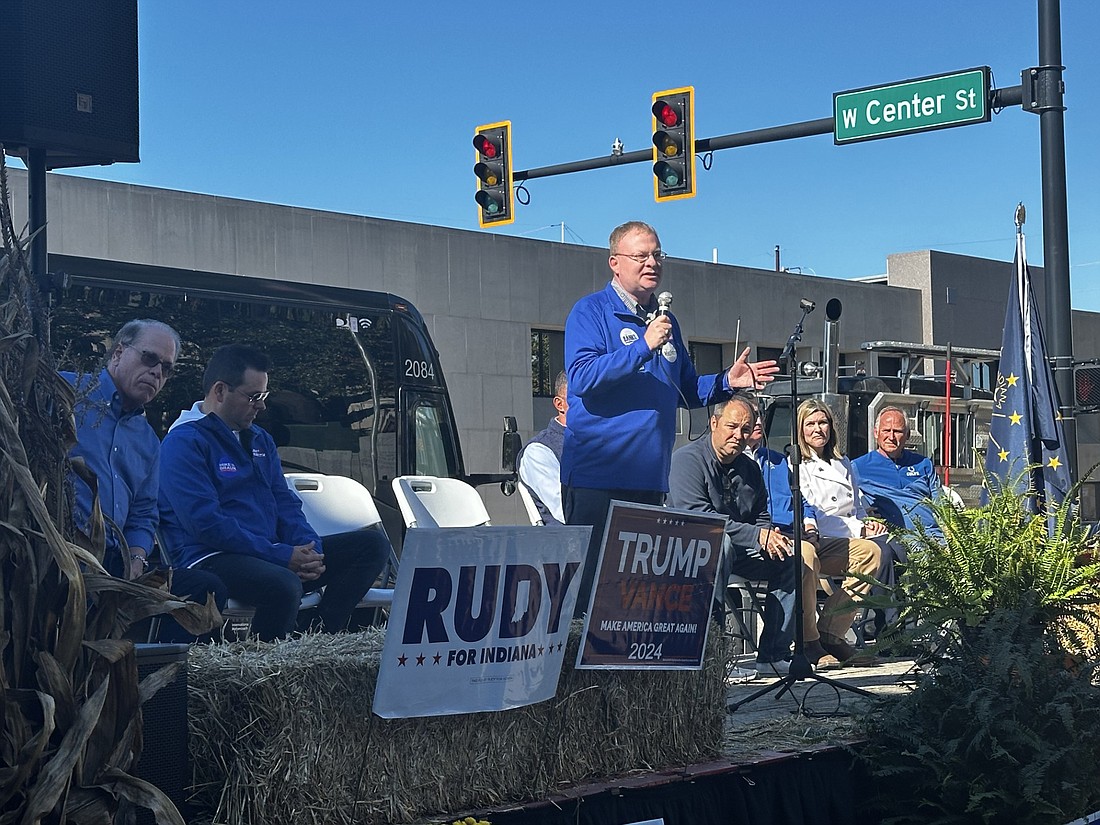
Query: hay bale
point(283, 733)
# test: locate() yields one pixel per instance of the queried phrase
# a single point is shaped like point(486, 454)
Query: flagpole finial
point(1021, 215)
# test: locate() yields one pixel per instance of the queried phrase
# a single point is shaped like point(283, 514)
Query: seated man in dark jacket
point(715, 475)
point(226, 507)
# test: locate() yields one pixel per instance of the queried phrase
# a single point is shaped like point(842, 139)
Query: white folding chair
point(428, 501)
point(337, 504)
point(529, 505)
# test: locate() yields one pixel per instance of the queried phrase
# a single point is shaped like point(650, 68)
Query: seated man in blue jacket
point(226, 508)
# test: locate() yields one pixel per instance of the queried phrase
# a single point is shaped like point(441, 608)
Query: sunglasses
point(253, 397)
point(151, 359)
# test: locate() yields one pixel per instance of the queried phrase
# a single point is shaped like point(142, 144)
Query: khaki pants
point(833, 557)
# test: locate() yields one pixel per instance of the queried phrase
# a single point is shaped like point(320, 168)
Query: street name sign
point(921, 105)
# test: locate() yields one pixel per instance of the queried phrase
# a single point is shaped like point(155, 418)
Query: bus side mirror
point(510, 445)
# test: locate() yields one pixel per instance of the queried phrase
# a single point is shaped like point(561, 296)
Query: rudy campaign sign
point(654, 585)
point(480, 619)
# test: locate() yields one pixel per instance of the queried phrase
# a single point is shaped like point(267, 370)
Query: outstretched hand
point(751, 376)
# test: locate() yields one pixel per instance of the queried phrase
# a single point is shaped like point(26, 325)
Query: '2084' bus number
point(644, 650)
point(418, 369)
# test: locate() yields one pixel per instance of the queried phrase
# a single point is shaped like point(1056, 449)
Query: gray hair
point(132, 330)
point(904, 416)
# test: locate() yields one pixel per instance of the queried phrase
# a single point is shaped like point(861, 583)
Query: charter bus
point(356, 385)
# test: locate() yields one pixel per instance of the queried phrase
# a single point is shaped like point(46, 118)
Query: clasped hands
point(307, 562)
point(775, 544)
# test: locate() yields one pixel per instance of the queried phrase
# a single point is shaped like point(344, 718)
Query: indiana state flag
point(1026, 429)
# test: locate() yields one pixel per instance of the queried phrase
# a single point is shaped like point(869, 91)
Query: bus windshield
point(337, 376)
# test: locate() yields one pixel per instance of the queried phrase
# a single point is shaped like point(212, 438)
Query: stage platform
point(785, 760)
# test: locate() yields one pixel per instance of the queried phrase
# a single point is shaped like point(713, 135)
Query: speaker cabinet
point(164, 756)
point(69, 80)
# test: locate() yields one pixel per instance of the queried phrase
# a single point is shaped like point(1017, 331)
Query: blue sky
point(369, 108)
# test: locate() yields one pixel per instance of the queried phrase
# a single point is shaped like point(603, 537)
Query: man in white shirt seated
point(540, 460)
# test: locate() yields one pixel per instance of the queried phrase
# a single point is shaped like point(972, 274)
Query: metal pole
point(36, 213)
point(1055, 219)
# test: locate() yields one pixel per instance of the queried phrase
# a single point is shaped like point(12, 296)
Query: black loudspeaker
point(69, 80)
point(164, 756)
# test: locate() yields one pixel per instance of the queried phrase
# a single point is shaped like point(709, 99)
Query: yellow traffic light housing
point(674, 144)
point(495, 198)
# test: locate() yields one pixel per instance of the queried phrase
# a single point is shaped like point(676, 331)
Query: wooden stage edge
point(813, 719)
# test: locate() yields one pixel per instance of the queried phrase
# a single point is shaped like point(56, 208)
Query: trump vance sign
point(937, 102)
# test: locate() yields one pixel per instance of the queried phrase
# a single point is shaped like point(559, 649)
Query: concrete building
point(484, 296)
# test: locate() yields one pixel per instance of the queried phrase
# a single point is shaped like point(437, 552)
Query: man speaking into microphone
point(629, 371)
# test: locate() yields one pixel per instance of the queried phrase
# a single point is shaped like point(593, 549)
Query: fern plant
point(1004, 724)
point(1000, 556)
point(998, 733)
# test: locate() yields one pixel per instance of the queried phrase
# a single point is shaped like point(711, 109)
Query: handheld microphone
point(664, 304)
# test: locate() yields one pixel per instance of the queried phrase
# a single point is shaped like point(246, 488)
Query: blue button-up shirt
point(123, 451)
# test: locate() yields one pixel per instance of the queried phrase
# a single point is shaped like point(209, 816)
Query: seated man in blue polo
point(226, 508)
point(897, 482)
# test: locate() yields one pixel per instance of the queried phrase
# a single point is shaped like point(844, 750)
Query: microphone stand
point(800, 666)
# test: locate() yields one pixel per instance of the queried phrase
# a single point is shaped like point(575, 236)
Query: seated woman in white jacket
point(843, 543)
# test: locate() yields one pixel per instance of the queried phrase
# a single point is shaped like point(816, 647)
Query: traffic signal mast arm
point(1009, 96)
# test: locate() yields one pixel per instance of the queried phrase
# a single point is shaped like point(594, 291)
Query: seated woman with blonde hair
point(843, 533)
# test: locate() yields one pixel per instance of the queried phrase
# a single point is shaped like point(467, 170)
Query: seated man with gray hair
point(117, 443)
point(897, 482)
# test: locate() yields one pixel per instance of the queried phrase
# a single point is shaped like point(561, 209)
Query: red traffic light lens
point(486, 147)
point(666, 113)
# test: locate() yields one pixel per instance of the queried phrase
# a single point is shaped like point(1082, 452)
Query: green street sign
point(936, 102)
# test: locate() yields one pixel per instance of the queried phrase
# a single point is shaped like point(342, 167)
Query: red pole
point(947, 423)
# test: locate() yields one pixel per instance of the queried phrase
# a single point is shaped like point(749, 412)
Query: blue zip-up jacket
point(777, 478)
point(621, 423)
point(217, 498)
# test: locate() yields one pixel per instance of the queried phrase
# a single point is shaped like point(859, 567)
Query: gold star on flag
point(1003, 455)
point(1012, 379)
point(1015, 418)
point(1054, 463)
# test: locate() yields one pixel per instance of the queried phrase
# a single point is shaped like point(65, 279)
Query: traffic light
point(674, 144)
point(495, 199)
point(1086, 386)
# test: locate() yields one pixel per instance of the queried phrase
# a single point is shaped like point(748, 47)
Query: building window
point(707, 358)
point(768, 354)
point(547, 360)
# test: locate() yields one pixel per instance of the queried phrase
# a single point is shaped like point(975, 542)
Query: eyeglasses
point(151, 359)
point(641, 258)
point(253, 397)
